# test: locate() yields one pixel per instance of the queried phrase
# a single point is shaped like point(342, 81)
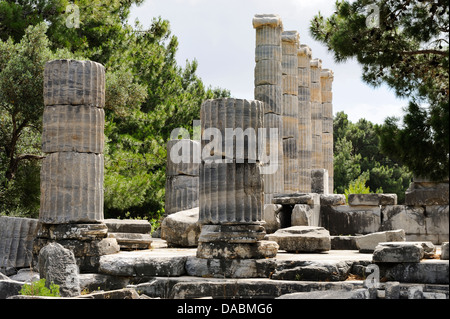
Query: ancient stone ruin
point(250, 208)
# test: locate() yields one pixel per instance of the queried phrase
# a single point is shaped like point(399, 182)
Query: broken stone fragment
point(181, 229)
point(402, 252)
point(57, 265)
point(302, 239)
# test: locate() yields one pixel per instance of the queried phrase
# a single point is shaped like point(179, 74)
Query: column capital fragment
point(290, 36)
point(327, 73)
point(271, 20)
point(316, 63)
point(305, 50)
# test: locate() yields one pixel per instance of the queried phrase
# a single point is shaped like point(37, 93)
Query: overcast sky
point(220, 36)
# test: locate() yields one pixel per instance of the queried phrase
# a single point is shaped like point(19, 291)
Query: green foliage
point(39, 288)
point(357, 158)
point(147, 95)
point(408, 50)
point(358, 186)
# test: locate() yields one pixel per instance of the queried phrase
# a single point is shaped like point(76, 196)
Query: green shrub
point(38, 288)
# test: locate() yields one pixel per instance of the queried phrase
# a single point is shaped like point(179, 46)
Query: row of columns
point(298, 94)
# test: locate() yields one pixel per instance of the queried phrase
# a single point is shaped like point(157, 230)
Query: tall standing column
point(268, 89)
point(290, 43)
point(326, 79)
point(71, 207)
point(316, 114)
point(231, 185)
point(304, 118)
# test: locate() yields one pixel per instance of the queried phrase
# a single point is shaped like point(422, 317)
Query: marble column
point(268, 89)
point(316, 114)
point(231, 185)
point(290, 42)
point(326, 79)
point(304, 118)
point(71, 210)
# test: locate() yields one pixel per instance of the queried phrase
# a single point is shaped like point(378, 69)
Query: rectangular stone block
point(73, 128)
point(71, 188)
point(289, 65)
point(372, 199)
point(348, 220)
point(411, 219)
point(425, 193)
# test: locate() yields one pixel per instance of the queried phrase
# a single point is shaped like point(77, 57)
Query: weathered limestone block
point(230, 193)
point(183, 157)
point(71, 82)
point(332, 199)
point(268, 29)
point(58, 265)
point(182, 193)
point(444, 251)
point(350, 220)
point(397, 252)
point(71, 188)
point(181, 229)
point(319, 181)
point(16, 242)
point(234, 234)
point(297, 198)
point(136, 226)
point(429, 224)
point(372, 199)
point(427, 193)
point(437, 223)
point(223, 250)
point(73, 128)
point(72, 231)
point(230, 268)
point(238, 122)
point(132, 241)
point(424, 272)
point(302, 239)
point(142, 264)
point(271, 217)
point(367, 243)
point(301, 215)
